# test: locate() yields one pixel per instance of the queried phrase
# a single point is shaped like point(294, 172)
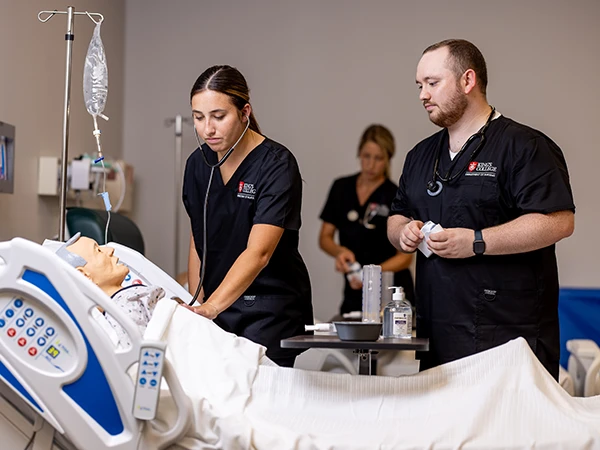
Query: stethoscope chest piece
point(434, 188)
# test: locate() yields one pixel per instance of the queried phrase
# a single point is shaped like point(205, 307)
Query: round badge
point(352, 216)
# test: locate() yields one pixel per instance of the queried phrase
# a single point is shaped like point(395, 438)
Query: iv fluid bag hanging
point(95, 75)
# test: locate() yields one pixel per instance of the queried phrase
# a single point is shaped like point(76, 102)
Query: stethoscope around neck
point(434, 186)
point(212, 170)
point(221, 161)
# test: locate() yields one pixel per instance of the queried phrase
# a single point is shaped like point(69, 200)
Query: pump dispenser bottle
point(397, 316)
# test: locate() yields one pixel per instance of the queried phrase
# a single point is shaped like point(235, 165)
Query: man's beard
point(456, 107)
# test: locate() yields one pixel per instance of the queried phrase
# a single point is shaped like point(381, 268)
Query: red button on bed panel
point(22, 342)
point(32, 351)
point(11, 332)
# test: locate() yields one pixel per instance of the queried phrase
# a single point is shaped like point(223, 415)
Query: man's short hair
point(463, 56)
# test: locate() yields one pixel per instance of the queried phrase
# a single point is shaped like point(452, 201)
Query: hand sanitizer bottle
point(397, 316)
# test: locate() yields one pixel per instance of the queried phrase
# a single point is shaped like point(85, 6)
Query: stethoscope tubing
point(204, 216)
point(434, 186)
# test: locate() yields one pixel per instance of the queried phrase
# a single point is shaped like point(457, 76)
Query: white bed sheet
point(499, 399)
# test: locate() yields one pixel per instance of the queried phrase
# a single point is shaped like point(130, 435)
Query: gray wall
point(32, 86)
point(320, 72)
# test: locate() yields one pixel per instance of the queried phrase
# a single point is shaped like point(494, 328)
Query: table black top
point(333, 341)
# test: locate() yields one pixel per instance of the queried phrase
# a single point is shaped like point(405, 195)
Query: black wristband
point(478, 243)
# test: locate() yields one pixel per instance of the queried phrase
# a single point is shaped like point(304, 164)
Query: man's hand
point(411, 236)
point(452, 243)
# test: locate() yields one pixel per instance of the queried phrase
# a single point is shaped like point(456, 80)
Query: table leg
point(374, 362)
point(364, 361)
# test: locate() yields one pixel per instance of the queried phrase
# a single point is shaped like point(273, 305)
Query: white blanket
point(499, 399)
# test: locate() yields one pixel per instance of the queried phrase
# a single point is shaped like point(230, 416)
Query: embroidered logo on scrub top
point(481, 169)
point(246, 190)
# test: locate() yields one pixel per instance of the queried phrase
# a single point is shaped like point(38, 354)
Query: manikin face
point(373, 161)
point(440, 90)
point(218, 122)
point(102, 267)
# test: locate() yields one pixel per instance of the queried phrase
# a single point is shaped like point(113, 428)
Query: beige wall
point(319, 72)
point(32, 86)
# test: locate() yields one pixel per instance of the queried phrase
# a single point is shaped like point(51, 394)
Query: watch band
point(478, 243)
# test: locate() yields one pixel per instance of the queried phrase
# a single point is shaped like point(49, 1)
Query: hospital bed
point(59, 369)
point(584, 366)
point(224, 393)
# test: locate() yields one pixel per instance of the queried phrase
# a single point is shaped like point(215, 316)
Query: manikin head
point(95, 262)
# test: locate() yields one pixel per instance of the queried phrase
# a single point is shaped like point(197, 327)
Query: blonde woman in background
point(357, 209)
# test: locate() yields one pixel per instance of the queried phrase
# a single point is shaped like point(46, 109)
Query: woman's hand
point(206, 309)
point(343, 259)
point(355, 284)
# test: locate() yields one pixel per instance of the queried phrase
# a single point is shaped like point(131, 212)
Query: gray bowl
point(358, 331)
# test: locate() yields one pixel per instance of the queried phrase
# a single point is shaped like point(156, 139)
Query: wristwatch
point(478, 243)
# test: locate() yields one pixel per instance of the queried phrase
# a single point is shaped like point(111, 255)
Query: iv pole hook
point(69, 37)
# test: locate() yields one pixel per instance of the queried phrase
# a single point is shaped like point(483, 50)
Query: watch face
point(478, 247)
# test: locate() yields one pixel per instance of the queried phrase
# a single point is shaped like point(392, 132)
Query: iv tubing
point(69, 37)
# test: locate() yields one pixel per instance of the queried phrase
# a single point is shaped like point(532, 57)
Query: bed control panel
point(149, 375)
point(35, 335)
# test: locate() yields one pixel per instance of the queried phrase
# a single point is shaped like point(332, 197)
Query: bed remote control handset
point(149, 375)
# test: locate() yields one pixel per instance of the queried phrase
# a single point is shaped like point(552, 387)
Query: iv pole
point(69, 37)
point(178, 121)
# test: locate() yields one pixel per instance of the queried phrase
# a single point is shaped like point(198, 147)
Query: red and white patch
point(473, 166)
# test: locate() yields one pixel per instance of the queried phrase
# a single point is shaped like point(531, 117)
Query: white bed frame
point(60, 364)
point(584, 366)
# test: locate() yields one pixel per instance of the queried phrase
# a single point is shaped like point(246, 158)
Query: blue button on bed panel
point(30, 332)
point(29, 312)
point(18, 303)
point(9, 313)
point(20, 322)
point(2, 323)
point(101, 406)
point(39, 321)
point(50, 331)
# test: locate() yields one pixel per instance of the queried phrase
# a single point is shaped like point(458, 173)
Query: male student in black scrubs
point(256, 284)
point(500, 190)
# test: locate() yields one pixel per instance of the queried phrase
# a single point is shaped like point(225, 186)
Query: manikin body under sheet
point(501, 398)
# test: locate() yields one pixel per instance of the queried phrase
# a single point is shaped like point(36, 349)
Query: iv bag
point(95, 75)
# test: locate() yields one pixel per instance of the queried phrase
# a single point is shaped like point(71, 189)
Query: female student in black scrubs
point(255, 282)
point(357, 208)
